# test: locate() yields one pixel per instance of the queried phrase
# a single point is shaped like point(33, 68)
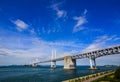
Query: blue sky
point(30, 29)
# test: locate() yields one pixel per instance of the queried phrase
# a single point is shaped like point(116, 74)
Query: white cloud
point(35, 48)
point(81, 20)
point(60, 13)
point(32, 31)
point(21, 25)
point(118, 38)
point(66, 44)
point(101, 42)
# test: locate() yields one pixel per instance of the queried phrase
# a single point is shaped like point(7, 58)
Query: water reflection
point(93, 71)
point(67, 71)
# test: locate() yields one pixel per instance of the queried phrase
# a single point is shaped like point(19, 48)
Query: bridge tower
point(69, 63)
point(53, 63)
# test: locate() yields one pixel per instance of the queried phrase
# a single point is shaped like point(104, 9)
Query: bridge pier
point(92, 61)
point(34, 65)
point(53, 64)
point(69, 63)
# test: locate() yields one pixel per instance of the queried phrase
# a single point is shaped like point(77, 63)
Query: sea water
point(44, 73)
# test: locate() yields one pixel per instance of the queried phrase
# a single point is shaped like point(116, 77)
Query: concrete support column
point(91, 64)
point(94, 63)
point(69, 63)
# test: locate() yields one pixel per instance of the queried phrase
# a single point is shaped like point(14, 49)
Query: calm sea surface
point(44, 73)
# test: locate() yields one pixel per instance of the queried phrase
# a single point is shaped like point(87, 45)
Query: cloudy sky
point(30, 29)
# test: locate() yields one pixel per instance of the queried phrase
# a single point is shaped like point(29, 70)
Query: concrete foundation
point(69, 63)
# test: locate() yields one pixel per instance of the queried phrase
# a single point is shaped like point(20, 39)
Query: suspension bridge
point(70, 61)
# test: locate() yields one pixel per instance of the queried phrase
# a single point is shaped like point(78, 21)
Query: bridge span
point(70, 61)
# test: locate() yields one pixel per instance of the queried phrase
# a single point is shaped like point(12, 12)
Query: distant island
point(109, 65)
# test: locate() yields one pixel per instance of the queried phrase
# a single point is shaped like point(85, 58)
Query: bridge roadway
point(91, 55)
point(54, 60)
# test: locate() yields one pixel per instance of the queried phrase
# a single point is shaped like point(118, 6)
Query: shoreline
point(91, 77)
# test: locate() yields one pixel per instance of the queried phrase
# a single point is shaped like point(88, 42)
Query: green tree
point(117, 73)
